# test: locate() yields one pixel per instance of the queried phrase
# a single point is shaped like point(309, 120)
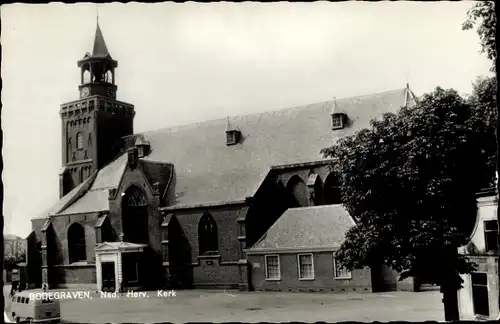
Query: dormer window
point(338, 117)
point(132, 157)
point(142, 146)
point(233, 134)
point(232, 137)
point(338, 121)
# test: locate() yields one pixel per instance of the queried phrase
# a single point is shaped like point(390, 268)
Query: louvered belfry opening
point(135, 216)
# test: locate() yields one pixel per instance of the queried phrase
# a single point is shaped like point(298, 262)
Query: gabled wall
point(487, 262)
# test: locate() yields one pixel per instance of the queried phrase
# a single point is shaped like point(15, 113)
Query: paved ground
point(220, 306)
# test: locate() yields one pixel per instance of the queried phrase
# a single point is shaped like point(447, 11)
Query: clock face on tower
point(84, 92)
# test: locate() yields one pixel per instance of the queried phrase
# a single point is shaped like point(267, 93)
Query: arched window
point(79, 141)
point(76, 243)
point(298, 189)
point(135, 216)
point(86, 76)
point(332, 193)
point(207, 235)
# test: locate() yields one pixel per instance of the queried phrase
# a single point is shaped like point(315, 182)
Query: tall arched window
point(207, 235)
point(135, 216)
point(298, 189)
point(79, 141)
point(76, 243)
point(332, 193)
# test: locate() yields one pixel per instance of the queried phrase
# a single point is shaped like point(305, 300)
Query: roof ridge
point(219, 119)
point(86, 187)
point(316, 207)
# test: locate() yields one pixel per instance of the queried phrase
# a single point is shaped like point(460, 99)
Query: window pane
point(491, 241)
point(273, 270)
point(480, 300)
point(305, 266)
point(479, 279)
point(337, 121)
point(340, 271)
point(491, 225)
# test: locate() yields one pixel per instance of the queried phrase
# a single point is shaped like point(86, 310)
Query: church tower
point(93, 125)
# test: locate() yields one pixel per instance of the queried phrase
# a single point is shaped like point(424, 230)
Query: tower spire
point(100, 49)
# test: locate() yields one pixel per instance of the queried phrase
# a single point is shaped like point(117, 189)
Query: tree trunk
point(497, 12)
point(450, 301)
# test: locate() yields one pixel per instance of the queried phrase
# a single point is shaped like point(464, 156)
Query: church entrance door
point(108, 276)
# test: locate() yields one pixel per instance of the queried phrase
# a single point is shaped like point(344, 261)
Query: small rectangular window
point(480, 293)
point(337, 121)
point(273, 271)
point(306, 266)
point(339, 271)
point(491, 235)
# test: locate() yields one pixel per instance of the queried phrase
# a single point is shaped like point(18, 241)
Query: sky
point(189, 62)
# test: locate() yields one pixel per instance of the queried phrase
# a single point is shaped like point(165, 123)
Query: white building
point(478, 299)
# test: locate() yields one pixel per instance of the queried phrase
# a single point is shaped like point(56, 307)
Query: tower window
point(79, 141)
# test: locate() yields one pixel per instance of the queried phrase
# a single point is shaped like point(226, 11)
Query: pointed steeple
point(100, 49)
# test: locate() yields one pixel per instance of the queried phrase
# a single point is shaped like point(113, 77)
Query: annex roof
point(307, 227)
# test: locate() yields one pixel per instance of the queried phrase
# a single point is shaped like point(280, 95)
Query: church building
point(184, 205)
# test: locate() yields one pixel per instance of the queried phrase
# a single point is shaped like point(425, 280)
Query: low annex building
point(298, 254)
point(181, 204)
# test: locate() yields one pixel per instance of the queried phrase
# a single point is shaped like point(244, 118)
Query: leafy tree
point(410, 182)
point(483, 15)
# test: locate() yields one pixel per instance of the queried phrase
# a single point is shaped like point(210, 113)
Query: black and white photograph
point(250, 162)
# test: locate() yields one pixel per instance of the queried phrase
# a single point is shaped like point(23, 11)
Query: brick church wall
point(215, 271)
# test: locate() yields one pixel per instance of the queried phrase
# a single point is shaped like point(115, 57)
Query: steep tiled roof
point(207, 171)
point(307, 227)
point(94, 198)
